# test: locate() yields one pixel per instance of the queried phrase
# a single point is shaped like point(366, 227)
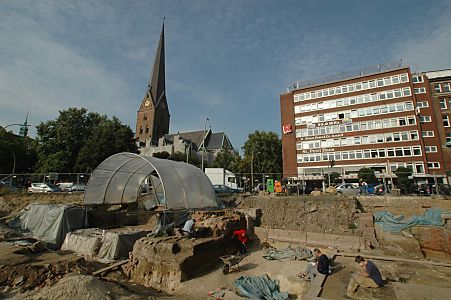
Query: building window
point(445, 121)
point(448, 140)
point(433, 165)
point(145, 117)
point(442, 103)
point(417, 79)
point(425, 119)
point(419, 168)
point(147, 129)
point(416, 151)
point(427, 134)
point(430, 149)
point(420, 90)
point(422, 104)
point(446, 87)
point(140, 130)
point(437, 88)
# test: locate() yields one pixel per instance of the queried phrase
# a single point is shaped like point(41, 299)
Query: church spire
point(153, 117)
point(157, 83)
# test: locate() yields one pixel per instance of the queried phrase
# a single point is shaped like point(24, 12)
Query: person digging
point(242, 238)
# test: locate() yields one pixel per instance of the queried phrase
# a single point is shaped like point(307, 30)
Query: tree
point(264, 151)
point(108, 137)
point(403, 174)
point(162, 155)
point(367, 175)
point(78, 141)
point(178, 156)
point(16, 153)
point(227, 159)
point(334, 177)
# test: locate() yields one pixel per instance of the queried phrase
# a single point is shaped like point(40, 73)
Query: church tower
point(152, 121)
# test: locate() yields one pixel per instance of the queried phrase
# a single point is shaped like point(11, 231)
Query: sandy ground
point(252, 265)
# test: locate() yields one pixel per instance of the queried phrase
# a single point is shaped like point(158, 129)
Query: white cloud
point(42, 73)
point(429, 46)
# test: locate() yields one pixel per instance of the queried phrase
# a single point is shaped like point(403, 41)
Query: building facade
point(381, 117)
point(152, 121)
point(191, 143)
point(439, 83)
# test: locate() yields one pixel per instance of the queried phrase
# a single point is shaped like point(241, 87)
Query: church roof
point(213, 141)
point(157, 82)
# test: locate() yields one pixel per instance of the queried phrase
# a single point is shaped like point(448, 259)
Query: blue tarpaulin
point(389, 222)
point(259, 287)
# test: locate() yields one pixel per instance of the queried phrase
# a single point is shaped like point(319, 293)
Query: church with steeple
point(152, 120)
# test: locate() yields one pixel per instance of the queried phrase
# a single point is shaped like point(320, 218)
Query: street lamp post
point(203, 142)
point(252, 167)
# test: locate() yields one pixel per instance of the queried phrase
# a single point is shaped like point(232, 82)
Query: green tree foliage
point(265, 150)
point(162, 155)
point(334, 178)
point(367, 175)
point(178, 156)
point(77, 141)
point(16, 153)
point(403, 177)
point(227, 159)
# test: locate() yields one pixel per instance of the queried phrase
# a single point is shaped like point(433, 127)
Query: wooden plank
point(391, 258)
point(117, 264)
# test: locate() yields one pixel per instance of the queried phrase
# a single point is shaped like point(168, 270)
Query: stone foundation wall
point(336, 241)
point(164, 262)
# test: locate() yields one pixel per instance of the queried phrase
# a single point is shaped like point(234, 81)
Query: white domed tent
point(175, 185)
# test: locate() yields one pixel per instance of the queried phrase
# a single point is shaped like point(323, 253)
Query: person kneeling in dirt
point(188, 228)
point(369, 277)
point(242, 238)
point(320, 265)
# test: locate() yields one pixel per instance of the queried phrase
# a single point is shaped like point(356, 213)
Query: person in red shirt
point(242, 237)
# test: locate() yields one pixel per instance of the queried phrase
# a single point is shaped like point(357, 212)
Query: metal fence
point(24, 180)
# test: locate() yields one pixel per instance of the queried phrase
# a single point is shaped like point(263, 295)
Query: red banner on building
point(288, 128)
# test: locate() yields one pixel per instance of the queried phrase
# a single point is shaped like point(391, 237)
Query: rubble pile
point(28, 277)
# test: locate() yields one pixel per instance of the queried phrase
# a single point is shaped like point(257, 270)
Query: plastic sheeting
point(51, 223)
point(259, 287)
point(85, 242)
point(117, 245)
point(391, 223)
point(176, 185)
point(104, 245)
point(298, 253)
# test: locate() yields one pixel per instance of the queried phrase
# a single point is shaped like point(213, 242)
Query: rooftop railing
point(388, 66)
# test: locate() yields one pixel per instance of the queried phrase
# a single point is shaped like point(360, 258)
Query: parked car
point(78, 188)
point(11, 187)
point(348, 189)
point(65, 186)
point(425, 189)
point(43, 188)
point(223, 190)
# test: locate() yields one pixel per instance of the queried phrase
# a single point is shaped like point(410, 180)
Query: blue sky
point(225, 60)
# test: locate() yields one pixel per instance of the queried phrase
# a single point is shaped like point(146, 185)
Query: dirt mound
point(320, 214)
point(28, 277)
point(75, 286)
point(11, 204)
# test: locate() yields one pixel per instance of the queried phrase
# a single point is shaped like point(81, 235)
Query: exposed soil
point(313, 214)
point(11, 204)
